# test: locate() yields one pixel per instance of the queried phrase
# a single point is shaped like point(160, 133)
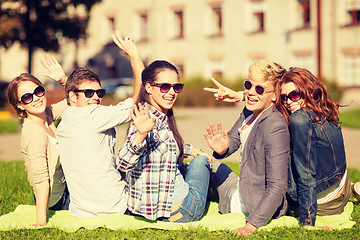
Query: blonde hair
point(264, 70)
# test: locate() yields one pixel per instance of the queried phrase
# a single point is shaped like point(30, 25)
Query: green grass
point(9, 126)
point(350, 118)
point(15, 190)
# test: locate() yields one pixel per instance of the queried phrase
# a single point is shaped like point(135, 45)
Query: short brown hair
point(77, 77)
point(12, 91)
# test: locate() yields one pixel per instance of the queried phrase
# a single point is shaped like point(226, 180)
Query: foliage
point(15, 190)
point(9, 126)
point(335, 91)
point(193, 94)
point(42, 23)
point(350, 118)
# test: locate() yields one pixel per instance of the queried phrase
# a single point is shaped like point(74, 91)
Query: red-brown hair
point(314, 94)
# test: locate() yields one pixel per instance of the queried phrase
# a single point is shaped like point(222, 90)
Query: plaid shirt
point(150, 169)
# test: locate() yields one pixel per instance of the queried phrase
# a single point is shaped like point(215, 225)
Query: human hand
point(217, 139)
point(223, 93)
point(142, 120)
point(55, 70)
point(208, 156)
point(246, 230)
point(127, 45)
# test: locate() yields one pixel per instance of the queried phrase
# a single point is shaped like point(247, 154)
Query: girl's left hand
point(142, 120)
point(56, 72)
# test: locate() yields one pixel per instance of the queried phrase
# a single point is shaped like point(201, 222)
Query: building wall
point(204, 51)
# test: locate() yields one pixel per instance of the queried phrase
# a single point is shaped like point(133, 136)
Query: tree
point(40, 24)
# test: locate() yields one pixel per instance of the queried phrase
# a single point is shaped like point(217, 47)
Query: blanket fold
point(25, 215)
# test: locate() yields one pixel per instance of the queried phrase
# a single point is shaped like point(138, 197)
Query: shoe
point(355, 189)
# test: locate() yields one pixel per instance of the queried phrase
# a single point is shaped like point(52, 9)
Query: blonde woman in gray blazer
point(38, 140)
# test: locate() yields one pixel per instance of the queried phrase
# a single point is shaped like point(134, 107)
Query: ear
point(273, 99)
point(72, 98)
point(148, 88)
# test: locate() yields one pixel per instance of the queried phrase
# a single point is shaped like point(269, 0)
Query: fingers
point(216, 83)
point(219, 127)
point(136, 111)
point(213, 90)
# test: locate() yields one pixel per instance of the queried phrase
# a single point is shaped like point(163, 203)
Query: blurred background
point(203, 38)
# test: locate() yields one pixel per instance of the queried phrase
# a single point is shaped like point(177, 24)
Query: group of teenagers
point(292, 157)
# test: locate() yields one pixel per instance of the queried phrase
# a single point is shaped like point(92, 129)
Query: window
point(304, 17)
point(353, 11)
point(143, 26)
point(352, 70)
point(180, 68)
point(213, 23)
point(255, 16)
point(178, 24)
point(111, 20)
point(258, 22)
point(215, 67)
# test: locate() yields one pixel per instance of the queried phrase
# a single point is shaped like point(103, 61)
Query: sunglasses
point(258, 89)
point(293, 96)
point(90, 92)
point(165, 87)
point(29, 97)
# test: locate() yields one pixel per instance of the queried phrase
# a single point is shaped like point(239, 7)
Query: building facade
point(221, 37)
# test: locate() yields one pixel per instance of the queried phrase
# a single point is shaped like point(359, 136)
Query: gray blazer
point(264, 166)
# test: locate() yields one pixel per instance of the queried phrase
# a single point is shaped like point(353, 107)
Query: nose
point(171, 91)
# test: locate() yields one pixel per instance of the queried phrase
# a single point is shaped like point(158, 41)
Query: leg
point(225, 180)
point(198, 176)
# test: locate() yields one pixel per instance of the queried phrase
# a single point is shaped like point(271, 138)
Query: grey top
point(86, 137)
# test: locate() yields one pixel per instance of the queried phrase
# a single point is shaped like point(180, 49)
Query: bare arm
point(42, 197)
point(128, 46)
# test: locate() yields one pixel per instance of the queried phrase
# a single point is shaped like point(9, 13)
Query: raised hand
point(55, 70)
point(217, 139)
point(127, 45)
point(223, 93)
point(142, 120)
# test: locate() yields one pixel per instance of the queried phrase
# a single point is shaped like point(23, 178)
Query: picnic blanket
point(25, 215)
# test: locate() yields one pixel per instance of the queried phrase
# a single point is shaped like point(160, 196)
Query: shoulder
point(273, 118)
point(299, 118)
point(32, 132)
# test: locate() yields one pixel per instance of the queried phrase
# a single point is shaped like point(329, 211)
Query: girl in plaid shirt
point(153, 154)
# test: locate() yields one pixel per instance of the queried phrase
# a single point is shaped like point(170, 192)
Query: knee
point(201, 160)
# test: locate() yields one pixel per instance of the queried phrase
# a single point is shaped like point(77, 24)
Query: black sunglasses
point(90, 92)
point(258, 89)
point(293, 96)
point(165, 87)
point(29, 97)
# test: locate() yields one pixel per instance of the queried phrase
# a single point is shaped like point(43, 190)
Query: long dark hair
point(314, 94)
point(149, 75)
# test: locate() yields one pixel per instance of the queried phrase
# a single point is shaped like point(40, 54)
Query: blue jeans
point(198, 177)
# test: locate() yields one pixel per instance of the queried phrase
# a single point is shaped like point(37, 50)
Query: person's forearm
point(42, 198)
point(137, 66)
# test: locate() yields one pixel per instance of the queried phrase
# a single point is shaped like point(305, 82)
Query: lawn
point(350, 118)
point(15, 190)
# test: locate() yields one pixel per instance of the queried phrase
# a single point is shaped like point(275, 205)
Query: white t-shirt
point(236, 202)
point(86, 137)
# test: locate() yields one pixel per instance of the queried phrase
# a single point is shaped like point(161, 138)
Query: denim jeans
point(198, 177)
